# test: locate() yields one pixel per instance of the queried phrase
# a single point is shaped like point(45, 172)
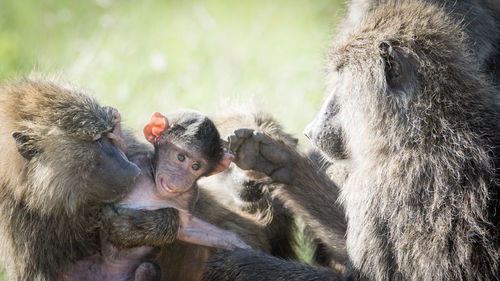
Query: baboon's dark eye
point(195, 166)
point(180, 157)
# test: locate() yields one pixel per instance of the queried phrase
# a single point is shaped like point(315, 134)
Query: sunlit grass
point(142, 56)
point(145, 56)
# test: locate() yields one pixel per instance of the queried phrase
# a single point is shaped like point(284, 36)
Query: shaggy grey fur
point(420, 122)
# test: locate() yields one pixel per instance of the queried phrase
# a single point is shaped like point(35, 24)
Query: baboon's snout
point(311, 131)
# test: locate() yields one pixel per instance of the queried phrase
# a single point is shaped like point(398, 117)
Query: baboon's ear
point(392, 64)
point(24, 144)
point(223, 164)
point(157, 124)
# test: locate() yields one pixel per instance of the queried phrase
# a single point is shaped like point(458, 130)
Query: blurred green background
point(143, 56)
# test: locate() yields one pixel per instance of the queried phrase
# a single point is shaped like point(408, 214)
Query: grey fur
point(420, 122)
point(480, 18)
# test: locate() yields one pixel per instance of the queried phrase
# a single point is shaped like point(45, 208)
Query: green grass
point(145, 56)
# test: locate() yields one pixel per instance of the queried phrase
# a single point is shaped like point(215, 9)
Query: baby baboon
point(421, 125)
point(238, 200)
point(186, 147)
point(58, 168)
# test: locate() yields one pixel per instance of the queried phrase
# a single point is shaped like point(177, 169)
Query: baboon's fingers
point(245, 158)
point(238, 138)
point(234, 143)
point(263, 138)
point(243, 132)
point(248, 154)
point(118, 141)
point(114, 113)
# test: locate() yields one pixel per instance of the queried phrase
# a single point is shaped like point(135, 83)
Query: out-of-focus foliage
point(145, 56)
point(142, 56)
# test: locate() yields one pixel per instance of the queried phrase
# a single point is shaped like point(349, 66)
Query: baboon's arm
point(246, 265)
point(127, 228)
point(308, 193)
point(199, 232)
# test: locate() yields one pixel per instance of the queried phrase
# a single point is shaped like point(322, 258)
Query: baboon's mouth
point(166, 189)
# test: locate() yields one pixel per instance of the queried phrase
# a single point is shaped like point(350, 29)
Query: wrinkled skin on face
point(112, 170)
point(177, 169)
point(109, 173)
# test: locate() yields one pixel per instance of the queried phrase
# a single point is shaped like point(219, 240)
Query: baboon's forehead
point(357, 53)
point(409, 25)
point(85, 120)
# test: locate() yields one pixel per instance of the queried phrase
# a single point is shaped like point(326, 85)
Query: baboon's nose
point(308, 132)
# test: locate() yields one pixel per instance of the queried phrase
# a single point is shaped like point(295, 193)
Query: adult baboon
point(421, 125)
point(58, 167)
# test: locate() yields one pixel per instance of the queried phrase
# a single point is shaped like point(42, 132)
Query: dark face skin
point(177, 169)
point(113, 171)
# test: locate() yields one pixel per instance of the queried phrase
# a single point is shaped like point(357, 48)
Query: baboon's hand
point(260, 152)
point(116, 135)
point(127, 228)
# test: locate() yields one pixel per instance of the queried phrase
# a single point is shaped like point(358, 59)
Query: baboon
point(186, 147)
point(251, 192)
point(481, 20)
point(240, 201)
point(412, 109)
point(247, 184)
point(257, 217)
point(59, 167)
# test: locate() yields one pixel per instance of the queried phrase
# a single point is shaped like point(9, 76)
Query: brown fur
point(51, 198)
